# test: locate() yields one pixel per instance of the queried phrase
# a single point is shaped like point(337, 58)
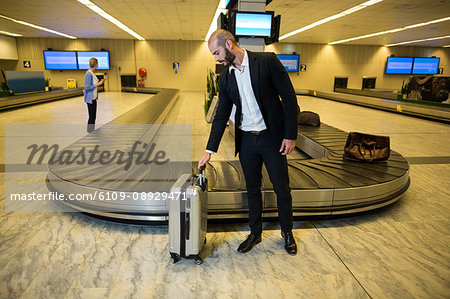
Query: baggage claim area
point(363, 229)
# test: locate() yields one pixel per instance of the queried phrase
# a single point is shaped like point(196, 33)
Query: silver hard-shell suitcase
point(188, 212)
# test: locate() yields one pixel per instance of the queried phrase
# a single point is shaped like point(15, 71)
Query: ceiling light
point(446, 46)
point(418, 41)
point(10, 34)
point(38, 27)
point(213, 27)
point(390, 31)
point(110, 18)
point(333, 17)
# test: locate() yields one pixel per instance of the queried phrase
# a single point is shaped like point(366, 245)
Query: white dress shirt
point(252, 119)
point(95, 81)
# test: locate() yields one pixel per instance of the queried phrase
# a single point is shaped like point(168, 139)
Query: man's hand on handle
point(204, 160)
point(287, 146)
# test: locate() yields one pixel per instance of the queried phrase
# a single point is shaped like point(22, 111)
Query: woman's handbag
point(366, 148)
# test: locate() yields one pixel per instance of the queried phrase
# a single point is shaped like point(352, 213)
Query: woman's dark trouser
point(92, 110)
point(256, 150)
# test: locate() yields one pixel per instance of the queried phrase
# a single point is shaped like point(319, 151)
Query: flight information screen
point(426, 66)
point(60, 60)
point(253, 24)
point(102, 57)
point(289, 61)
point(399, 65)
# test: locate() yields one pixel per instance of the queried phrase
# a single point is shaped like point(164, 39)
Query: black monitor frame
point(386, 65)
point(437, 70)
point(109, 59)
point(232, 21)
point(298, 62)
point(72, 69)
point(275, 36)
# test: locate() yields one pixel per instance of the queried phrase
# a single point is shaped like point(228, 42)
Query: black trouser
point(92, 110)
point(256, 149)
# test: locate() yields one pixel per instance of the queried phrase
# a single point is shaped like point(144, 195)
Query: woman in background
point(91, 83)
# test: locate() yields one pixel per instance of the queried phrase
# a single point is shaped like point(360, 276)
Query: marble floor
point(400, 251)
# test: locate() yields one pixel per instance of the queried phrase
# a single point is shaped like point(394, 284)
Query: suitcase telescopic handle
point(201, 175)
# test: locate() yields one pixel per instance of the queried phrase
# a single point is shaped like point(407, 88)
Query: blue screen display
point(425, 66)
point(102, 57)
point(253, 24)
point(290, 62)
point(399, 65)
point(60, 60)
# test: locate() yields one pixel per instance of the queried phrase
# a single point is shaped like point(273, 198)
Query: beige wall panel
point(8, 48)
point(324, 62)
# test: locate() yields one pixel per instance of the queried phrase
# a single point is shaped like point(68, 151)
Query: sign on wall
point(26, 64)
point(303, 68)
point(176, 66)
point(71, 83)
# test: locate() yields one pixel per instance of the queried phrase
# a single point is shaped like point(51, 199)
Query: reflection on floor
point(399, 251)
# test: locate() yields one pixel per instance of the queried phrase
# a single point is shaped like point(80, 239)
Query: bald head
point(224, 47)
point(221, 36)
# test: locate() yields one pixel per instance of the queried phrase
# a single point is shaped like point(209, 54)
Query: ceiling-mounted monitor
point(275, 31)
point(222, 21)
point(230, 4)
point(253, 24)
point(290, 61)
point(102, 57)
point(60, 60)
point(425, 66)
point(399, 65)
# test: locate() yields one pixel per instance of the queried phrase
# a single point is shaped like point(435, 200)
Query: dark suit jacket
point(270, 81)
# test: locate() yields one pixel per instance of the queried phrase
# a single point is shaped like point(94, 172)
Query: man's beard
point(229, 57)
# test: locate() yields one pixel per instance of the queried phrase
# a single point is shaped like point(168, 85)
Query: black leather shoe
point(289, 243)
point(248, 244)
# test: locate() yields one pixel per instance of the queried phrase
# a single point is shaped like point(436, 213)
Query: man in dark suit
point(265, 127)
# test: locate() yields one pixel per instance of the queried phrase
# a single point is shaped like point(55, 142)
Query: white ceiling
point(190, 19)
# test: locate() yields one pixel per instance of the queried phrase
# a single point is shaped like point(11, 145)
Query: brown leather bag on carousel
point(366, 148)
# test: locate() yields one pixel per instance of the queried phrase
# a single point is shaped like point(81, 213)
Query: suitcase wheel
point(174, 257)
point(198, 260)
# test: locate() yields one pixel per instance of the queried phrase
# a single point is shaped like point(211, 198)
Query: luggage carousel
point(322, 182)
point(384, 101)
